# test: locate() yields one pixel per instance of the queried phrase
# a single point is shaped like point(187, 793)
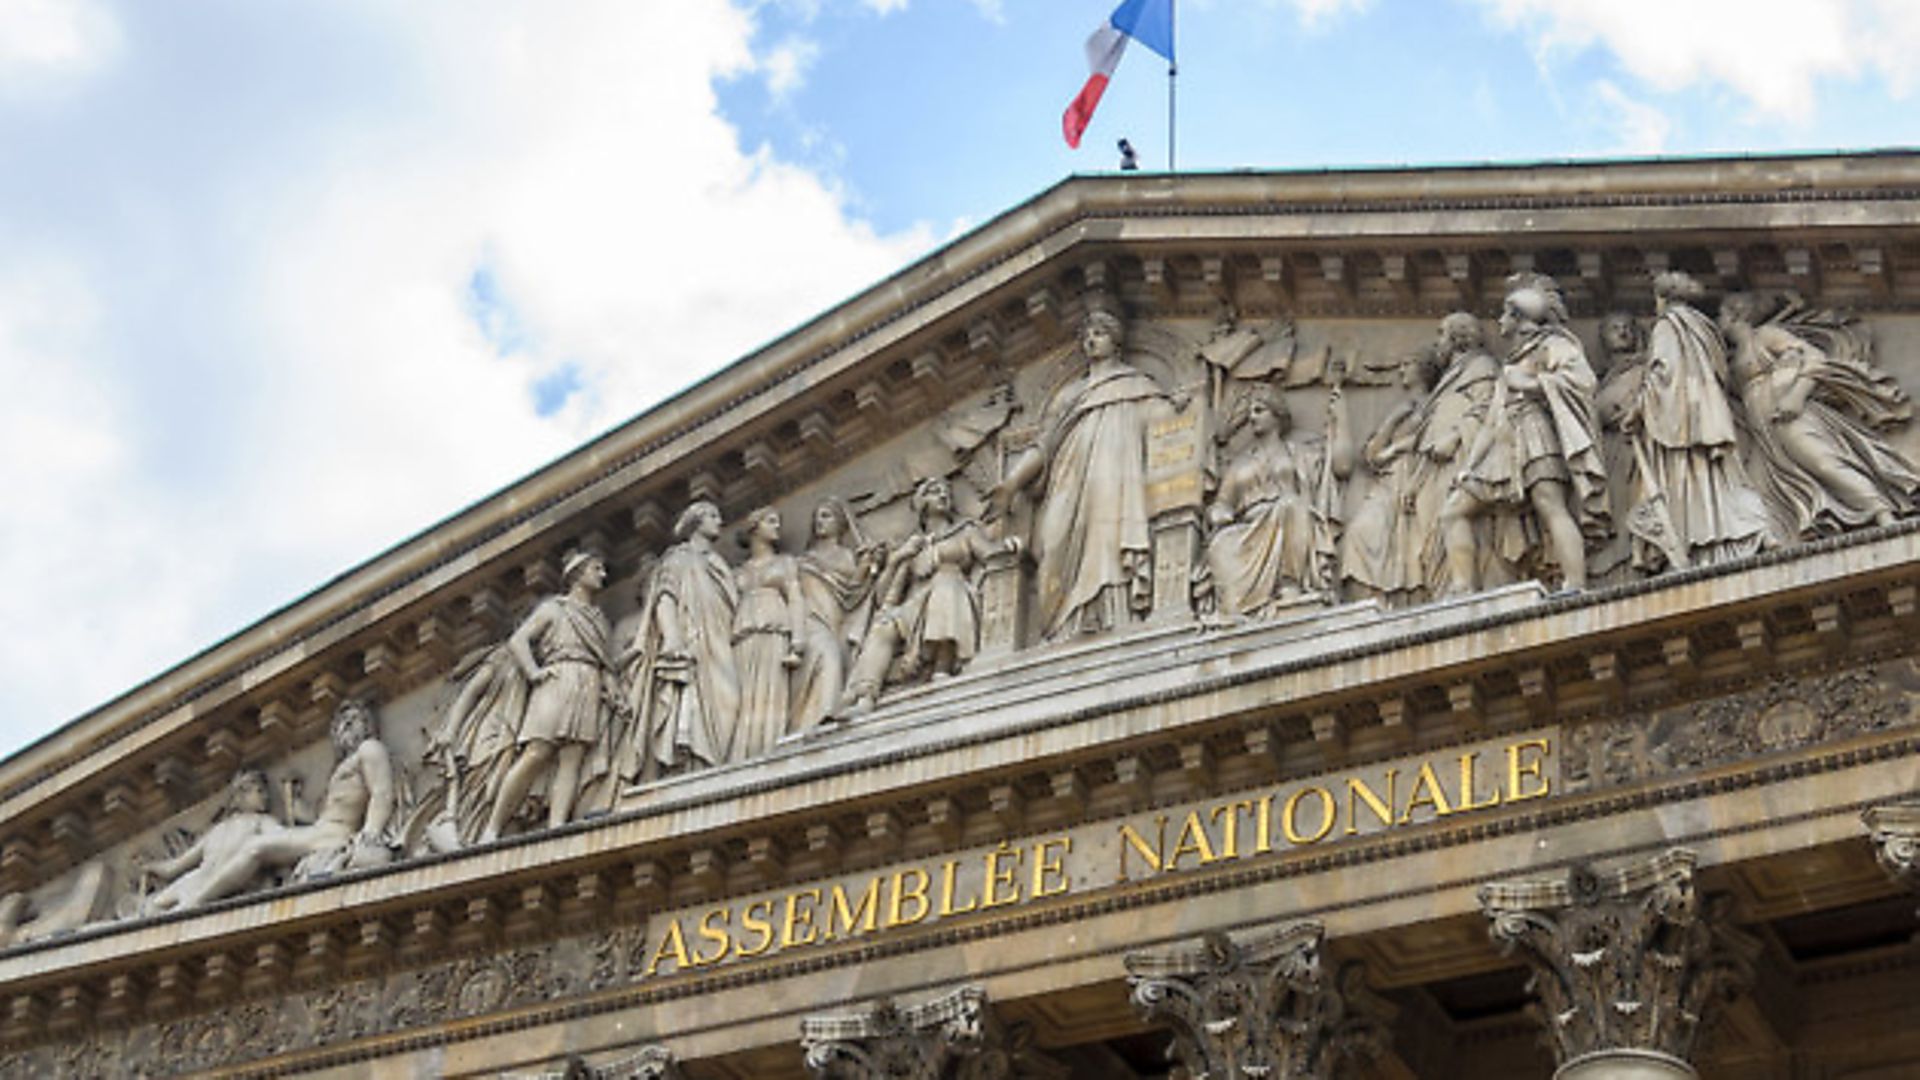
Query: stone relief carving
point(928, 618)
point(1160, 476)
point(466, 987)
point(1783, 714)
point(1631, 962)
point(682, 677)
point(1819, 412)
point(768, 630)
point(86, 899)
point(1691, 502)
point(1262, 1008)
point(1275, 513)
point(953, 1037)
point(1392, 548)
point(1091, 534)
point(1534, 467)
point(838, 572)
point(356, 827)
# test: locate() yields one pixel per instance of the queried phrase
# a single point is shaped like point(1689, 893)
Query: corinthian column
point(955, 1037)
point(1262, 1010)
point(1629, 967)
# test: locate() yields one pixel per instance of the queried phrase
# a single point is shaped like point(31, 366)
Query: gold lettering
point(1290, 812)
point(1381, 808)
point(1230, 837)
point(901, 894)
point(798, 916)
point(1467, 785)
point(1042, 866)
point(997, 877)
point(1193, 838)
point(1263, 826)
point(1426, 792)
point(758, 924)
point(676, 939)
point(868, 912)
point(716, 934)
point(1516, 771)
point(1150, 854)
point(947, 873)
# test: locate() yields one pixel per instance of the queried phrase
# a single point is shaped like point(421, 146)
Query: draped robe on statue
point(1848, 410)
point(1393, 545)
point(1092, 534)
point(688, 705)
point(1686, 459)
point(1528, 439)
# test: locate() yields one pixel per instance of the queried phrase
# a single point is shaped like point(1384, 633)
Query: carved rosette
point(1262, 1009)
point(1895, 829)
point(955, 1037)
point(1627, 964)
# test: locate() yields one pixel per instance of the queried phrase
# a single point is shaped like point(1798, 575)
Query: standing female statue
point(1275, 513)
point(837, 574)
point(682, 681)
point(1392, 547)
point(1691, 502)
point(1819, 409)
point(1091, 536)
point(929, 619)
point(768, 626)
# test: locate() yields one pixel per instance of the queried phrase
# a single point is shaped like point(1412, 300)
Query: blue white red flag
point(1150, 22)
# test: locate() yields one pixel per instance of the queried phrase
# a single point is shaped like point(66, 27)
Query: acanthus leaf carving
point(956, 1036)
point(1262, 1008)
point(1631, 960)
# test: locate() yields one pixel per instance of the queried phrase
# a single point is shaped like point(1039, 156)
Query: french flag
point(1148, 21)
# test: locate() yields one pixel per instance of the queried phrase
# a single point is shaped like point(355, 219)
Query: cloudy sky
point(282, 283)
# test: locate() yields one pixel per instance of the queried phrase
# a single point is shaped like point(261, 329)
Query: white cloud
point(1772, 55)
point(1638, 128)
point(785, 65)
point(886, 7)
point(1320, 13)
point(47, 44)
point(346, 386)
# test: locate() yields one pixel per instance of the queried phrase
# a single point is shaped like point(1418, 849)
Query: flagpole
point(1173, 70)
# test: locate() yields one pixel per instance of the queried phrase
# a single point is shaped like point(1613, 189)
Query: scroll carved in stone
point(650, 1063)
point(1895, 831)
point(1535, 470)
point(927, 621)
point(954, 1037)
point(1631, 961)
point(1262, 1008)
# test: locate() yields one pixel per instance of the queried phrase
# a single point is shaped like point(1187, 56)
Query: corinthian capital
point(1260, 1009)
point(1631, 963)
point(955, 1037)
point(1895, 828)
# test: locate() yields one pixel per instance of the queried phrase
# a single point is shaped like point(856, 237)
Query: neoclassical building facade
point(1394, 623)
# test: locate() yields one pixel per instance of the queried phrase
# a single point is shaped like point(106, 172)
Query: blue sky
point(281, 285)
